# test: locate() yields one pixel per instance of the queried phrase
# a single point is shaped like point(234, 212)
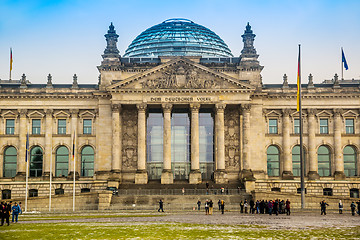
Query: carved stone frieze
point(129, 139)
point(232, 138)
point(181, 76)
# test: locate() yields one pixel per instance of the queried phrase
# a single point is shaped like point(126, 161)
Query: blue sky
point(67, 37)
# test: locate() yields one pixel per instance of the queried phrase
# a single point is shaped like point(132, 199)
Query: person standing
point(352, 207)
point(246, 205)
point(276, 207)
point(358, 207)
point(287, 207)
point(15, 212)
point(206, 207)
point(252, 206)
point(219, 204)
point(7, 210)
point(270, 207)
point(241, 206)
point(257, 206)
point(341, 207)
point(199, 204)
point(222, 206)
point(211, 207)
point(161, 206)
point(323, 205)
point(2, 212)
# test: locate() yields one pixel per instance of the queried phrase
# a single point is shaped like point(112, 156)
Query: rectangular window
point(273, 126)
point(349, 126)
point(10, 126)
point(87, 125)
point(324, 127)
point(296, 126)
point(36, 126)
point(62, 126)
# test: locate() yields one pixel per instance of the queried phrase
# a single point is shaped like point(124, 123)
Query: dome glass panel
point(178, 37)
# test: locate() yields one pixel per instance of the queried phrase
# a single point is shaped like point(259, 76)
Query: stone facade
point(109, 124)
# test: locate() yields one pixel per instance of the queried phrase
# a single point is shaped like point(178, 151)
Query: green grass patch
point(67, 217)
point(158, 230)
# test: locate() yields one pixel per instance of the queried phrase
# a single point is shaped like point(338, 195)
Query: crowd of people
point(270, 207)
point(7, 209)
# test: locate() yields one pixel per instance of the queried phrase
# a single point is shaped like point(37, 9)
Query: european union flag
point(344, 60)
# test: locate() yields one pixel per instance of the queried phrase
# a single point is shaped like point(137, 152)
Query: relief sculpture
point(129, 154)
point(181, 76)
point(232, 134)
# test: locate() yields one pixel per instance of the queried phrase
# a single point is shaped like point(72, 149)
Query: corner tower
point(249, 66)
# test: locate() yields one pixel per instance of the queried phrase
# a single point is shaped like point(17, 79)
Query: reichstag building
point(178, 106)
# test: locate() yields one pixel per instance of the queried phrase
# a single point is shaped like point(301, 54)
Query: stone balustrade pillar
point(141, 176)
point(220, 173)
point(195, 174)
point(339, 162)
point(313, 161)
point(167, 175)
point(287, 170)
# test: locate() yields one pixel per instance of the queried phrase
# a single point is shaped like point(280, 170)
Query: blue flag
point(344, 60)
point(27, 147)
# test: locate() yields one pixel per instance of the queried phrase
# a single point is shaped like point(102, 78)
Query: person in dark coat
point(323, 205)
point(353, 208)
point(270, 207)
point(252, 204)
point(219, 204)
point(2, 212)
point(6, 214)
point(287, 207)
point(161, 206)
point(358, 207)
point(199, 204)
point(222, 206)
point(276, 207)
point(241, 206)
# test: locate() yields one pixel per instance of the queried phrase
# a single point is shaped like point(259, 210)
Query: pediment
point(87, 114)
point(324, 113)
point(9, 114)
point(35, 114)
point(61, 114)
point(181, 73)
point(350, 113)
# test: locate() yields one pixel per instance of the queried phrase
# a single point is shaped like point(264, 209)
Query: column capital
point(286, 112)
point(311, 111)
point(166, 107)
point(141, 107)
point(22, 112)
point(74, 112)
point(116, 107)
point(245, 107)
point(195, 107)
point(220, 107)
point(49, 112)
point(337, 112)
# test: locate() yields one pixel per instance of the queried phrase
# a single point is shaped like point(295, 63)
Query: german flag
point(11, 59)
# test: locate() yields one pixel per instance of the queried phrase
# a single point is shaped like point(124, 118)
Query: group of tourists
point(270, 207)
point(6, 209)
point(209, 206)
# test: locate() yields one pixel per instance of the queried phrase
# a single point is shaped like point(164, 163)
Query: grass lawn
point(160, 230)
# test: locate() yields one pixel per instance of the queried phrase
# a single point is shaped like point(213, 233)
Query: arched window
point(350, 161)
point(324, 168)
point(62, 162)
point(36, 162)
point(296, 160)
point(87, 162)
point(10, 156)
point(273, 161)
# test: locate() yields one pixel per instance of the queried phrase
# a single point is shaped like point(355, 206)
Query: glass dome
point(178, 37)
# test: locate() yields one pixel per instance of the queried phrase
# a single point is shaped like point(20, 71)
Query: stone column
point(116, 141)
point(48, 160)
point(167, 175)
point(313, 161)
point(195, 174)
point(21, 164)
point(339, 162)
point(220, 173)
point(246, 173)
point(141, 176)
point(74, 131)
point(287, 169)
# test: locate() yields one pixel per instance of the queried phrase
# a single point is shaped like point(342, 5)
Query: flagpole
point(74, 159)
point(342, 65)
point(302, 165)
point(27, 169)
point(50, 182)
